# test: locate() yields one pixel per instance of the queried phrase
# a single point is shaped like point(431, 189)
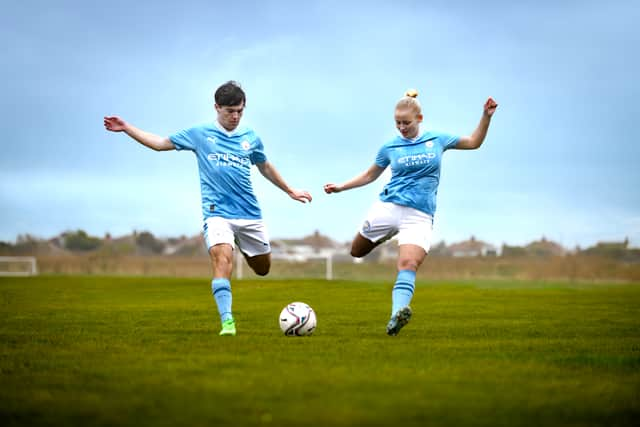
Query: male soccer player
point(225, 153)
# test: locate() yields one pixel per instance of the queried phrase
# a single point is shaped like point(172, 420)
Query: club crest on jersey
point(245, 145)
point(429, 144)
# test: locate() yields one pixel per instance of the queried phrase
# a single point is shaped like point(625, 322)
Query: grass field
point(144, 351)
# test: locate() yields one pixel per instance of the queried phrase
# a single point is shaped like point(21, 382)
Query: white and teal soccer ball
point(297, 319)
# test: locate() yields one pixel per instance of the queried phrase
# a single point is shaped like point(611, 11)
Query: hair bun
point(411, 93)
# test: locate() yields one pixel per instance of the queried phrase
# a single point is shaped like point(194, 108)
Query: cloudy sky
point(322, 78)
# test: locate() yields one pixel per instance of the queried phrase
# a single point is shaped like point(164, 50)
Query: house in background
point(472, 248)
point(544, 247)
point(615, 250)
point(538, 248)
point(313, 246)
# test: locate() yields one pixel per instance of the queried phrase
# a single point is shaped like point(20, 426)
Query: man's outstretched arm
point(155, 142)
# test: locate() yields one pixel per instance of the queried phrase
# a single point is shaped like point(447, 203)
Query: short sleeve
point(185, 139)
point(257, 154)
point(382, 159)
point(448, 141)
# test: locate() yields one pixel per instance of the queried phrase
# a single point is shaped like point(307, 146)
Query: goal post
point(18, 266)
point(328, 261)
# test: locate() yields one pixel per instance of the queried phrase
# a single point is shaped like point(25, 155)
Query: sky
point(322, 79)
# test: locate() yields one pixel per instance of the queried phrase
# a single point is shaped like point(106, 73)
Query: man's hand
point(114, 124)
point(300, 195)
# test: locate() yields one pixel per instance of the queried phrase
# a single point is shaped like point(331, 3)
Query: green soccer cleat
point(228, 328)
point(398, 320)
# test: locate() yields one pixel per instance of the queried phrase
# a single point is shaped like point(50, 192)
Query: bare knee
point(410, 257)
point(408, 264)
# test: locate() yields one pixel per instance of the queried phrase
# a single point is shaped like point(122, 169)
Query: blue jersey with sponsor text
point(415, 169)
point(224, 162)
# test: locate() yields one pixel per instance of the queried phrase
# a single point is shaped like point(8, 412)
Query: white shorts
point(384, 220)
point(249, 234)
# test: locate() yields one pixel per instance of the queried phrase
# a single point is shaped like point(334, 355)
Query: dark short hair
point(230, 94)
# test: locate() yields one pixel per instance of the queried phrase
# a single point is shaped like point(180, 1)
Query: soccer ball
point(297, 319)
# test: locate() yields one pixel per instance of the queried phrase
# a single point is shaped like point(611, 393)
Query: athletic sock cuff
point(220, 284)
point(406, 276)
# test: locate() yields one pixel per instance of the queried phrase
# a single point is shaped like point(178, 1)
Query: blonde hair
point(410, 100)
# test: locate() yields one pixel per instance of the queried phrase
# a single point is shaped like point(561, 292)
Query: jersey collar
point(417, 138)
point(223, 130)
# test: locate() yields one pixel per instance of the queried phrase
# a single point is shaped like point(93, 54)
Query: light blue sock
point(402, 290)
point(221, 289)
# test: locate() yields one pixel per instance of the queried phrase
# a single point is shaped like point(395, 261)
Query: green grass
point(144, 351)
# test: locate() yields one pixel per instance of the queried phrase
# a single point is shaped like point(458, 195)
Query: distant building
point(513, 251)
point(616, 250)
point(313, 246)
point(472, 248)
point(319, 242)
point(609, 246)
point(544, 247)
point(439, 249)
point(186, 246)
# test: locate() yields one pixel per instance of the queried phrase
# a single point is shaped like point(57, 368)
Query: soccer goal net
point(18, 266)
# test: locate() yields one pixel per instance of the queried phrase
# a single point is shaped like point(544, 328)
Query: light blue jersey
point(224, 161)
point(415, 169)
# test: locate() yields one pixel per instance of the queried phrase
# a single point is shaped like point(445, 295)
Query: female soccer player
point(225, 153)
point(408, 202)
